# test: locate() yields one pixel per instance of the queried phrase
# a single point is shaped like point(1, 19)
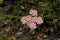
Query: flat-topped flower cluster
point(32, 19)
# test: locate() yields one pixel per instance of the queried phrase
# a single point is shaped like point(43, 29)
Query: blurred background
point(11, 27)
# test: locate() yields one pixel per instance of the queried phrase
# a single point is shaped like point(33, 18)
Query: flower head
point(32, 25)
point(23, 20)
point(34, 19)
point(28, 18)
point(33, 12)
point(39, 20)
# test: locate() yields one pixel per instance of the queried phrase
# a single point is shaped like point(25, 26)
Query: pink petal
point(34, 19)
point(23, 20)
point(33, 12)
point(39, 20)
point(32, 26)
point(28, 18)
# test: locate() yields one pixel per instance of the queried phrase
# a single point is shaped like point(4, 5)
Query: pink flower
point(39, 20)
point(32, 25)
point(34, 19)
point(28, 18)
point(33, 12)
point(23, 20)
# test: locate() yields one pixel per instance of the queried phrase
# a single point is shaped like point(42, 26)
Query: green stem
point(43, 14)
point(54, 22)
point(9, 16)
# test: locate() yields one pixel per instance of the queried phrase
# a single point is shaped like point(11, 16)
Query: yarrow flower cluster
point(33, 12)
point(32, 19)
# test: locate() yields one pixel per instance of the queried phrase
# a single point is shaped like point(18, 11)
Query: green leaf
point(1, 1)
